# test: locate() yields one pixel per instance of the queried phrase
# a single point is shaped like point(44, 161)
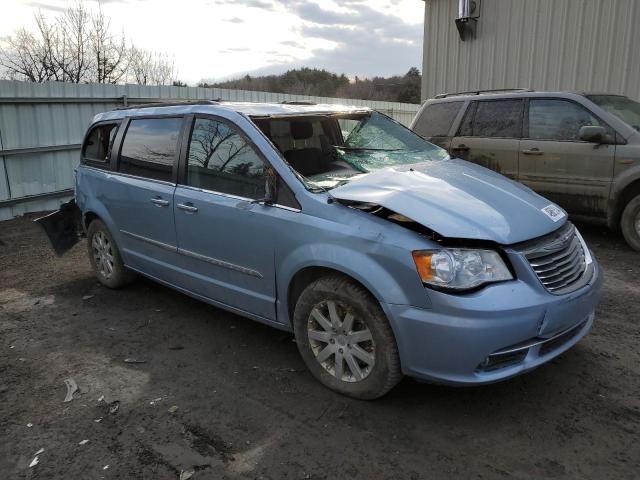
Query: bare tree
point(72, 51)
point(149, 68)
point(110, 54)
point(79, 46)
point(31, 56)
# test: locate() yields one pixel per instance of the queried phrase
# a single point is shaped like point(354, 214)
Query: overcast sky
point(217, 39)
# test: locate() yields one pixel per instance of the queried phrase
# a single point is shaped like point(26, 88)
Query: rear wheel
point(345, 339)
point(630, 223)
point(105, 257)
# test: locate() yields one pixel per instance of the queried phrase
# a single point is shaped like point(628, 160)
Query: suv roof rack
point(480, 92)
point(297, 102)
point(170, 104)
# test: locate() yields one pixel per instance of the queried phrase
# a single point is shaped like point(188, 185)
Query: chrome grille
point(559, 261)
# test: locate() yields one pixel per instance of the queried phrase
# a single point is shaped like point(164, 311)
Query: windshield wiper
point(366, 149)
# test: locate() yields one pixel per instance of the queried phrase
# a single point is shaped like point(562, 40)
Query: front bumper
point(501, 331)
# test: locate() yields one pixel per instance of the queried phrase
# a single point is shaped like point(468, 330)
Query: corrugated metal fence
point(41, 127)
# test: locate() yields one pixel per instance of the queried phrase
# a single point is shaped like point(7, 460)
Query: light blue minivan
point(381, 254)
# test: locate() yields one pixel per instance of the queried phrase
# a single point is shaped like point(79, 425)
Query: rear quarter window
point(99, 142)
point(436, 119)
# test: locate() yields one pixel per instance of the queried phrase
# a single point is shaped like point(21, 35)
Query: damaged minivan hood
point(458, 199)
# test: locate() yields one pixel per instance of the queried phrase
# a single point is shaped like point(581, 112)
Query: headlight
point(460, 269)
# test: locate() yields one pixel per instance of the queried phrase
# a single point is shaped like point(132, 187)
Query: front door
point(558, 165)
point(490, 135)
point(225, 238)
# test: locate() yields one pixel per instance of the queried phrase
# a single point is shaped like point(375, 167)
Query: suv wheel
point(105, 257)
point(345, 339)
point(630, 223)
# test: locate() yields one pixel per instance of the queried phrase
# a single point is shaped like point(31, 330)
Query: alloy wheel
point(341, 341)
point(103, 254)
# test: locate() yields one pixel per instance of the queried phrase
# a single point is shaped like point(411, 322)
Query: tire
point(630, 223)
point(105, 257)
point(351, 327)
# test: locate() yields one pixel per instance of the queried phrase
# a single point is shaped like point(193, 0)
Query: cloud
point(57, 6)
point(367, 41)
point(247, 3)
point(292, 43)
point(46, 6)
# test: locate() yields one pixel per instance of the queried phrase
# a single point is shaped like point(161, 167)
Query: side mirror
point(593, 134)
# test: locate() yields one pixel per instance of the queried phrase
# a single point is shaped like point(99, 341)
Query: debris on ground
point(98, 420)
point(101, 399)
point(134, 360)
point(186, 474)
point(106, 467)
point(155, 400)
point(114, 407)
point(36, 458)
point(88, 297)
point(83, 442)
point(172, 409)
point(29, 425)
point(72, 388)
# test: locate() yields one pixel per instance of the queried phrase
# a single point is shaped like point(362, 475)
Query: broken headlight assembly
point(459, 269)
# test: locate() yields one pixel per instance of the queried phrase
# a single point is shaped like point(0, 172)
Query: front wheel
point(105, 257)
point(345, 339)
point(630, 223)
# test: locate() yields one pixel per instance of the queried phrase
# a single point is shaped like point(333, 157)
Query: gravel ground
point(226, 397)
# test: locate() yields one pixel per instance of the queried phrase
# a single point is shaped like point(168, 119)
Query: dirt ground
point(228, 398)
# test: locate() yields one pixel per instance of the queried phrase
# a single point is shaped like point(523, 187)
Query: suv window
point(436, 119)
point(149, 147)
point(97, 147)
point(558, 120)
point(222, 160)
point(493, 119)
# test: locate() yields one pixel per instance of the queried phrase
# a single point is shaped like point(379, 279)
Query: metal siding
point(539, 44)
point(24, 125)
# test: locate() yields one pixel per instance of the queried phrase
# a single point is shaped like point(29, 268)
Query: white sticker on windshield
point(554, 212)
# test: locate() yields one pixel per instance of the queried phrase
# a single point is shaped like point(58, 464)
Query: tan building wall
point(591, 45)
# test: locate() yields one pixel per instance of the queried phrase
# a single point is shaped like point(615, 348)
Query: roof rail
point(297, 102)
point(480, 92)
point(169, 104)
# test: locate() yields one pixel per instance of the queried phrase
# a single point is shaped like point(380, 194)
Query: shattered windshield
point(371, 142)
point(622, 107)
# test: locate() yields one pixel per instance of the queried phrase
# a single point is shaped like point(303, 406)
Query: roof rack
point(480, 92)
point(169, 104)
point(297, 102)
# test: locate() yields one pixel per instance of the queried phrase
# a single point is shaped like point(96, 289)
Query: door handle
point(461, 148)
point(187, 207)
point(533, 151)
point(160, 202)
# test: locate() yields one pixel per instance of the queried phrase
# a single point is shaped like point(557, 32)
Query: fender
point(377, 272)
point(88, 204)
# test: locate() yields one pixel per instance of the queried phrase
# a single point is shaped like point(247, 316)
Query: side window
point(558, 120)
point(97, 147)
point(494, 119)
point(150, 146)
point(437, 118)
point(221, 160)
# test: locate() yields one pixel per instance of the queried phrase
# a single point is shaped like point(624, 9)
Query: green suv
point(580, 150)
